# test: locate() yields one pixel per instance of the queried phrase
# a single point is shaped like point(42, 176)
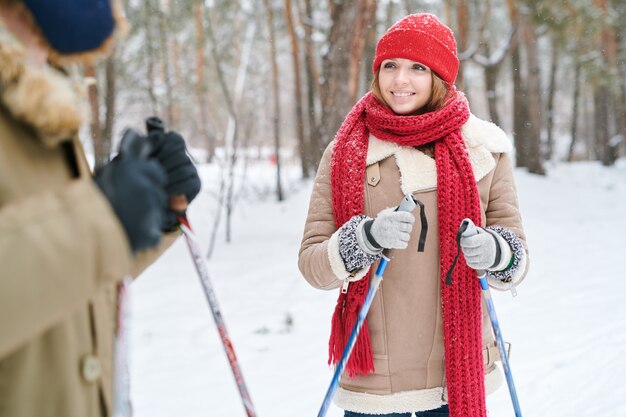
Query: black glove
point(136, 190)
point(182, 176)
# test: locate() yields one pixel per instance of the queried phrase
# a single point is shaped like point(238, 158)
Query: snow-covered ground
point(567, 324)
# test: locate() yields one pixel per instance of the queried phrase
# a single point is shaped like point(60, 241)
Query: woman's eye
point(389, 65)
point(419, 67)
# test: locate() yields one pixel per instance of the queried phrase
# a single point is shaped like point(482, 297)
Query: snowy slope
point(567, 325)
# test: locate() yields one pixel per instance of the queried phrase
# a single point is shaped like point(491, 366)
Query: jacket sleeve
point(503, 215)
point(319, 259)
point(57, 248)
point(145, 258)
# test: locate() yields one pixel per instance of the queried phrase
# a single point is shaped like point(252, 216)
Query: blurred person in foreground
point(426, 347)
point(66, 238)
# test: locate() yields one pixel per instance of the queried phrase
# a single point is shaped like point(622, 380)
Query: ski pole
point(408, 203)
point(468, 228)
point(122, 406)
point(200, 265)
point(155, 124)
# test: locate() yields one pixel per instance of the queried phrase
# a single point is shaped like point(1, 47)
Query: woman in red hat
point(426, 347)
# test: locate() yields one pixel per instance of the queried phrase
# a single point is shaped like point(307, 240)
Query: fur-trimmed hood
point(418, 171)
point(51, 102)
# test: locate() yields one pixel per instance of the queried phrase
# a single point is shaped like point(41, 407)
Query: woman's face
point(406, 86)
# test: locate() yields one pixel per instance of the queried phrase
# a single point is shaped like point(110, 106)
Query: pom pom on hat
point(421, 38)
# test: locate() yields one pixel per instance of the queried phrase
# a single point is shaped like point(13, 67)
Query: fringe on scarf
point(361, 360)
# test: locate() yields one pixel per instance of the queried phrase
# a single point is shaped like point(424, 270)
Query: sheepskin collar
point(418, 171)
point(52, 103)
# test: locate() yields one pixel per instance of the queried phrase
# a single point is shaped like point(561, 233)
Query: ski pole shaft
point(201, 268)
point(178, 204)
point(132, 145)
point(334, 383)
point(469, 229)
point(500, 342)
point(408, 203)
point(121, 372)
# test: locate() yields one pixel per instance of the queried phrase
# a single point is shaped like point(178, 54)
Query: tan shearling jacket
point(62, 251)
point(405, 322)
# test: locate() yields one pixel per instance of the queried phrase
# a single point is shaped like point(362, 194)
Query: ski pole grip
point(155, 124)
point(469, 228)
point(178, 203)
point(408, 203)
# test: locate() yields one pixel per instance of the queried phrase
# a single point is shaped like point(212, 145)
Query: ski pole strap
point(424, 231)
point(459, 234)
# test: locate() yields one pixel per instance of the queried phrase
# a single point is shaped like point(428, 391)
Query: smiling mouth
point(402, 94)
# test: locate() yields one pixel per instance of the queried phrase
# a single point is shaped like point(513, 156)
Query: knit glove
point(389, 230)
point(486, 251)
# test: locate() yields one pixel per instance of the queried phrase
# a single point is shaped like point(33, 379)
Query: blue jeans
point(440, 412)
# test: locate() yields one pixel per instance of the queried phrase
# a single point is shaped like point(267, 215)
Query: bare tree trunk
point(533, 98)
point(407, 6)
point(295, 56)
point(336, 100)
point(389, 15)
point(201, 80)
point(491, 78)
point(520, 114)
point(588, 114)
point(620, 37)
point(239, 86)
point(491, 81)
point(601, 123)
point(520, 111)
point(462, 38)
point(613, 105)
point(109, 100)
point(150, 58)
point(367, 9)
point(576, 100)
point(96, 132)
point(447, 12)
point(314, 135)
point(101, 135)
point(554, 61)
point(231, 100)
point(410, 6)
point(492, 62)
point(369, 50)
point(165, 61)
point(177, 82)
point(276, 96)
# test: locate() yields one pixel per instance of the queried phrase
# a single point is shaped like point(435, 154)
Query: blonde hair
point(438, 94)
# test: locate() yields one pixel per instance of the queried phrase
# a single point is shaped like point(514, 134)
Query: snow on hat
point(73, 26)
point(421, 38)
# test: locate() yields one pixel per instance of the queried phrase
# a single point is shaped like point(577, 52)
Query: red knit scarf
point(457, 196)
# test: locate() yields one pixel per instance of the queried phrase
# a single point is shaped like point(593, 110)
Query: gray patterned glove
point(389, 230)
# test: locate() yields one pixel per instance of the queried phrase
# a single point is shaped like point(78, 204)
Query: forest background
point(246, 80)
point(258, 88)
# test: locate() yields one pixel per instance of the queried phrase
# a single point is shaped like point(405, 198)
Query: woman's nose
point(401, 76)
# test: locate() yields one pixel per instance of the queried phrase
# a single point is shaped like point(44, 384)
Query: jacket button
point(90, 368)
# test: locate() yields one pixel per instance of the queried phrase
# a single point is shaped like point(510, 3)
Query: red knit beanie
point(421, 38)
